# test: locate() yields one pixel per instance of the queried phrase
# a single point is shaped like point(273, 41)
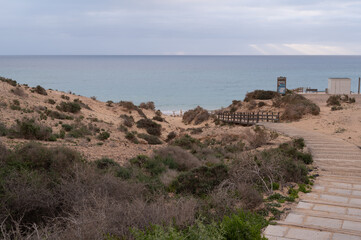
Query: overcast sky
point(201, 27)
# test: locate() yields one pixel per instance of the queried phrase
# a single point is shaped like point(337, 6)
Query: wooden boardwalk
point(332, 210)
point(248, 118)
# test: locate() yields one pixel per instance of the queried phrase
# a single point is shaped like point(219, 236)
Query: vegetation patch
point(196, 116)
point(151, 139)
point(127, 120)
point(40, 90)
point(72, 107)
point(29, 129)
point(151, 127)
point(147, 105)
point(296, 106)
point(103, 136)
point(9, 81)
point(200, 181)
point(261, 95)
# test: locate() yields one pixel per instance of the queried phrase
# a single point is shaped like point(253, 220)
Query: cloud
point(190, 26)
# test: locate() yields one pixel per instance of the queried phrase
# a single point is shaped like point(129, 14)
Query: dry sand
point(344, 124)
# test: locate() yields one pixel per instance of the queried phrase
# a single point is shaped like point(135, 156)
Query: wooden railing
point(248, 118)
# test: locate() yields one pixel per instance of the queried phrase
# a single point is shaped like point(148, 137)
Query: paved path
point(333, 209)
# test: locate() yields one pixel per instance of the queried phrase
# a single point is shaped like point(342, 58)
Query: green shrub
point(197, 116)
point(296, 106)
point(334, 100)
point(336, 108)
point(72, 107)
point(123, 128)
point(158, 118)
point(29, 129)
point(103, 136)
point(127, 120)
point(148, 105)
point(106, 163)
point(67, 127)
point(79, 131)
point(200, 181)
point(261, 104)
point(171, 136)
point(153, 140)
point(299, 143)
point(243, 226)
point(151, 127)
point(65, 97)
point(124, 172)
point(57, 115)
point(40, 90)
point(3, 129)
point(275, 186)
point(131, 137)
point(186, 142)
point(9, 81)
point(261, 95)
point(51, 101)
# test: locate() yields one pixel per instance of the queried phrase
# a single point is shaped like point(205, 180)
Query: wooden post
point(359, 80)
point(267, 116)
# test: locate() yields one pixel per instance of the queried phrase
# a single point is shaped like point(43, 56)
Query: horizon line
point(185, 55)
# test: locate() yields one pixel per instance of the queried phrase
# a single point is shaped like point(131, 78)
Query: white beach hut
point(339, 85)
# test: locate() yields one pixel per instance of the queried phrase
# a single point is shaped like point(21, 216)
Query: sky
point(180, 27)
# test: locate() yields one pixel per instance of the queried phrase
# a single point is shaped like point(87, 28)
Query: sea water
point(177, 82)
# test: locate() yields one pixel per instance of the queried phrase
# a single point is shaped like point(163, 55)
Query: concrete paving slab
point(330, 208)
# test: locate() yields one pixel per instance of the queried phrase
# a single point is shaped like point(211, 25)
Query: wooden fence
point(248, 118)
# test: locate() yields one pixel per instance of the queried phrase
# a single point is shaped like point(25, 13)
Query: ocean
point(177, 82)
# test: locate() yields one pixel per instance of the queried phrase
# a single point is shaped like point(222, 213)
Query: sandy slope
point(344, 124)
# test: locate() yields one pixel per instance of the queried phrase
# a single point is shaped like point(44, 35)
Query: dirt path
point(333, 209)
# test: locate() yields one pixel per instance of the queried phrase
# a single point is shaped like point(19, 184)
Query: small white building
point(339, 85)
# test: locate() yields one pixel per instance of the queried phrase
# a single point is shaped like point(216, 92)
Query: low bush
point(106, 163)
point(196, 116)
point(123, 128)
point(132, 137)
point(51, 101)
point(67, 127)
point(29, 129)
point(334, 100)
point(244, 226)
point(79, 131)
point(150, 126)
point(183, 159)
point(171, 136)
point(296, 106)
point(3, 129)
point(261, 104)
point(236, 104)
point(103, 136)
point(336, 108)
point(261, 95)
point(65, 97)
point(57, 115)
point(18, 92)
point(186, 142)
point(127, 105)
point(127, 120)
point(158, 118)
point(151, 139)
point(9, 81)
point(40, 90)
point(148, 105)
point(72, 107)
point(109, 103)
point(200, 181)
